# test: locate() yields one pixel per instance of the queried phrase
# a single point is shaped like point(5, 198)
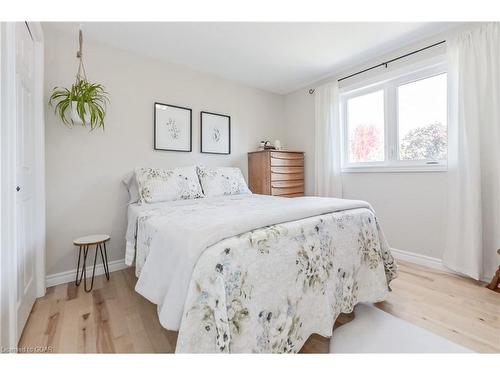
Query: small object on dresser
point(268, 146)
point(277, 144)
point(99, 241)
point(279, 173)
point(265, 145)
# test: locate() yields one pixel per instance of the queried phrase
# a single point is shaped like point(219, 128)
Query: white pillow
point(222, 181)
point(131, 184)
point(158, 185)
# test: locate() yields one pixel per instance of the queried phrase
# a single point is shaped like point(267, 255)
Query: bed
point(252, 273)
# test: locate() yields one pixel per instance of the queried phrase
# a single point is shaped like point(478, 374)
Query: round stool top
point(93, 239)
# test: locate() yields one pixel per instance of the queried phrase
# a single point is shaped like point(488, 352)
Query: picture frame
point(215, 133)
point(173, 128)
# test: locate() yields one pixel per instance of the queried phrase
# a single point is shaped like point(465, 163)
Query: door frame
point(8, 261)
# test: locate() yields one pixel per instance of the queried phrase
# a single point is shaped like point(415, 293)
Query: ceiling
point(277, 57)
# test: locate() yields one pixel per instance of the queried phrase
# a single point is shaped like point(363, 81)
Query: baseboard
point(427, 261)
point(68, 276)
point(420, 259)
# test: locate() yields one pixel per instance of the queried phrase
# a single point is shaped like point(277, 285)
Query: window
point(397, 125)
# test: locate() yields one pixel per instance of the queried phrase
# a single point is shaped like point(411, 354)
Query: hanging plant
point(84, 103)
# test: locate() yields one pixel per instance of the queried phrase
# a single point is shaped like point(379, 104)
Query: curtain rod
point(384, 64)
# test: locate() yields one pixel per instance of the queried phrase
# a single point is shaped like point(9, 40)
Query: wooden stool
point(99, 240)
point(495, 282)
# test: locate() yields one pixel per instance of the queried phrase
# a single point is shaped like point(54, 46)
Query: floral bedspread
point(268, 290)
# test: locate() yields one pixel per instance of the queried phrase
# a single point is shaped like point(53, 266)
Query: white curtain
point(474, 157)
point(327, 174)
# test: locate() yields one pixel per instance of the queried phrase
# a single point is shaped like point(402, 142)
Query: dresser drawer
point(287, 170)
point(288, 190)
point(287, 176)
point(282, 162)
point(287, 155)
point(287, 184)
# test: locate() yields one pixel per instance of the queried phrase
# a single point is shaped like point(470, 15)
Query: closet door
point(25, 174)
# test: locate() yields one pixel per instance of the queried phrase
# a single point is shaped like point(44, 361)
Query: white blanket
point(171, 239)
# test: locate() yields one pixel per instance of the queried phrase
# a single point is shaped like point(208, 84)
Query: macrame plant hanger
point(81, 74)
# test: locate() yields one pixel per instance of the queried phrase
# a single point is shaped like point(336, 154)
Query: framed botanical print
point(172, 128)
point(215, 130)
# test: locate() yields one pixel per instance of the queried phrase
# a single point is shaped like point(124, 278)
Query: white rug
point(375, 331)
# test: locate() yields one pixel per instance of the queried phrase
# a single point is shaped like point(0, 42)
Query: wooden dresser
point(273, 172)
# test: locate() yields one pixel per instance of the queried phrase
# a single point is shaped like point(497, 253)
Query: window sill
point(396, 169)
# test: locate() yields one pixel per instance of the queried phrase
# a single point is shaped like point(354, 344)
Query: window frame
point(389, 84)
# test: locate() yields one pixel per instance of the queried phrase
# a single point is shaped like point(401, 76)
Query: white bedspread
point(172, 236)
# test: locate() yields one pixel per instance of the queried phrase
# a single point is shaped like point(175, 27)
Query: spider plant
point(86, 102)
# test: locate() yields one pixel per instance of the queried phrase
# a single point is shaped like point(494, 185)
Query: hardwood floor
point(457, 308)
point(110, 319)
point(113, 318)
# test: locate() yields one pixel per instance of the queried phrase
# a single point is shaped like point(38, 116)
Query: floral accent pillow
point(158, 185)
point(222, 181)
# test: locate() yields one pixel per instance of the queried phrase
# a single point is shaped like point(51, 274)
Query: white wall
point(411, 206)
point(84, 169)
